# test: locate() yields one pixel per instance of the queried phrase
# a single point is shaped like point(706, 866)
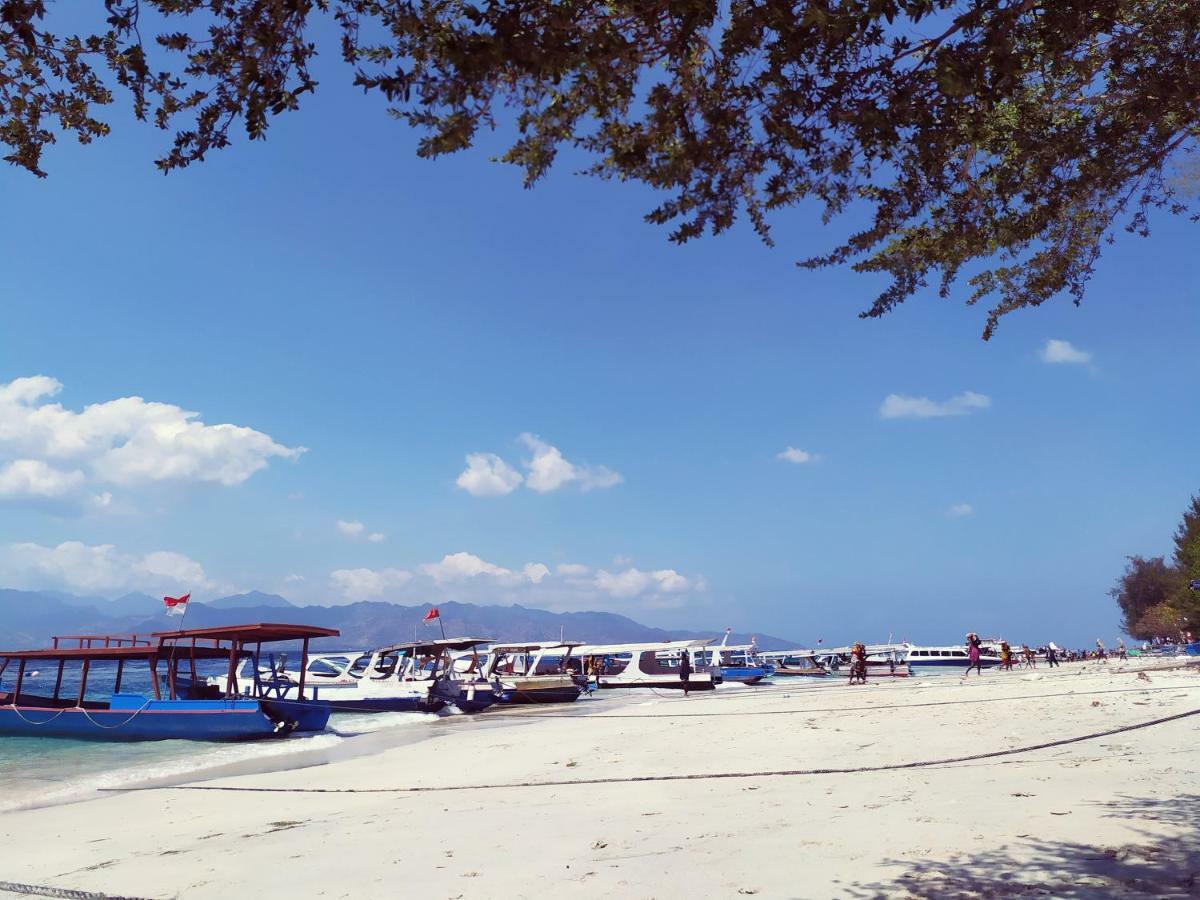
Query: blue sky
point(329, 291)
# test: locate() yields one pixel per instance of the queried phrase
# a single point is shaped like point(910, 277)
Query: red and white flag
point(176, 606)
point(431, 615)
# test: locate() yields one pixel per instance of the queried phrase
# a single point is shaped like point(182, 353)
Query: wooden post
point(154, 675)
point(120, 672)
point(172, 672)
point(20, 677)
point(58, 680)
point(229, 679)
point(83, 681)
point(303, 667)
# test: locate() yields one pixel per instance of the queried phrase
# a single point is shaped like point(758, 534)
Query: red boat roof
point(134, 646)
point(259, 631)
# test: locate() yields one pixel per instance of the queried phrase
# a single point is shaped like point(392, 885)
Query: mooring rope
point(641, 779)
point(602, 715)
point(40, 890)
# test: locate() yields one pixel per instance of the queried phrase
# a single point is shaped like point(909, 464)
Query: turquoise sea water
point(44, 771)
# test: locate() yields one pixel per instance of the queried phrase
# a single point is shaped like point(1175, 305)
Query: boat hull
point(674, 685)
point(528, 691)
point(132, 717)
point(744, 674)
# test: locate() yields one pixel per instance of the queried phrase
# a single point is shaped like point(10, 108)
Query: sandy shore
point(1102, 817)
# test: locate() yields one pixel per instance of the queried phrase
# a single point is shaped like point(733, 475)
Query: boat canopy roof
point(259, 631)
point(599, 649)
point(142, 646)
point(534, 646)
point(433, 646)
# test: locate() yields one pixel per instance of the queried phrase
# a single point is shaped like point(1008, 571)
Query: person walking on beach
point(1005, 656)
point(1052, 655)
point(1100, 654)
point(685, 670)
point(1121, 652)
point(973, 654)
point(858, 664)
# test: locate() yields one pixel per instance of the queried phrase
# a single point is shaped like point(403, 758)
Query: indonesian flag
point(431, 615)
point(176, 606)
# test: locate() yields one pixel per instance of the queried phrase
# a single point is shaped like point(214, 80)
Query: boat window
point(360, 666)
point(384, 667)
point(651, 664)
point(326, 668)
point(549, 665)
point(613, 663)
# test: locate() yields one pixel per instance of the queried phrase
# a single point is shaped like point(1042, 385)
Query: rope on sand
point(602, 715)
point(639, 779)
point(40, 890)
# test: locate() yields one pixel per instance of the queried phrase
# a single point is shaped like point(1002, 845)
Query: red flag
point(176, 606)
point(431, 615)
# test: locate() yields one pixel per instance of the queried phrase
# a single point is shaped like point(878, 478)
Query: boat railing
point(89, 641)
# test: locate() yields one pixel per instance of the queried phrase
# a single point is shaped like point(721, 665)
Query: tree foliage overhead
point(997, 140)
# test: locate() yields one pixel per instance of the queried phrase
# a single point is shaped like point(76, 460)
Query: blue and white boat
point(738, 663)
point(181, 704)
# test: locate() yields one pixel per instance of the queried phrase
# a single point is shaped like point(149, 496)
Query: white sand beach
point(1109, 816)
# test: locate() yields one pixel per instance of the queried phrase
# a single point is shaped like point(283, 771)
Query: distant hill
point(249, 600)
point(29, 618)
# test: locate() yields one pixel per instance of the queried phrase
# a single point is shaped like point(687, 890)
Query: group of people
point(1028, 656)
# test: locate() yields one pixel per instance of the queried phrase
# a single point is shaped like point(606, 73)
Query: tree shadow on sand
point(1158, 867)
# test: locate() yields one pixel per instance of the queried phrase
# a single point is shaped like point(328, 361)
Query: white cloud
point(33, 479)
point(128, 442)
point(355, 530)
point(549, 470)
point(368, 584)
point(634, 582)
point(535, 572)
point(958, 510)
point(350, 529)
point(101, 568)
point(294, 579)
point(487, 475)
point(571, 586)
point(903, 406)
point(792, 455)
point(1057, 351)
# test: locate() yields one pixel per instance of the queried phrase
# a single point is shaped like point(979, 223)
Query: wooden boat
point(795, 664)
point(619, 666)
point(535, 673)
point(181, 706)
point(430, 665)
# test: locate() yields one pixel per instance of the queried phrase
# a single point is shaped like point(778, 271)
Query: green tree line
point(1155, 594)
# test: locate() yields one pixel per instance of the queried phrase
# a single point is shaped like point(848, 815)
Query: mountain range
point(30, 618)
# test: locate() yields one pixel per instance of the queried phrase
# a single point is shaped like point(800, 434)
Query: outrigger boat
point(412, 677)
point(535, 673)
point(646, 665)
point(795, 663)
point(883, 660)
point(739, 663)
point(181, 705)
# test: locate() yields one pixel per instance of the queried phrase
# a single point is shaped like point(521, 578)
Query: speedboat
point(948, 657)
point(883, 660)
point(617, 666)
point(535, 673)
point(180, 704)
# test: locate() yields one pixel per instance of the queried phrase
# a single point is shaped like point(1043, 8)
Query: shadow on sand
point(1159, 867)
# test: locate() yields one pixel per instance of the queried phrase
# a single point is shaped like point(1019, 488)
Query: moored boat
point(795, 664)
point(738, 663)
point(535, 672)
point(180, 706)
point(947, 657)
point(621, 666)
